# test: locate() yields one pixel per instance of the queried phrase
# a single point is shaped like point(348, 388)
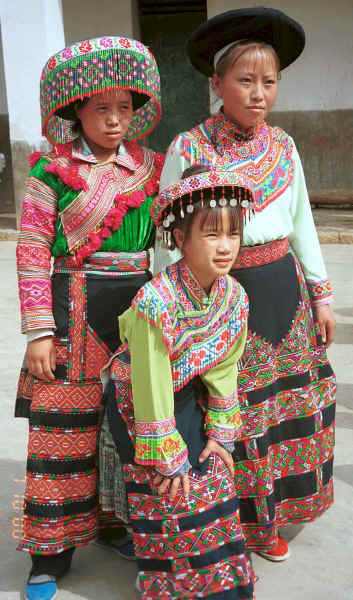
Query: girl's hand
point(212, 447)
point(165, 483)
point(327, 323)
point(41, 358)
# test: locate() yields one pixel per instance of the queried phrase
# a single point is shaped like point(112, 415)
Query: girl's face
point(249, 87)
point(105, 120)
point(210, 250)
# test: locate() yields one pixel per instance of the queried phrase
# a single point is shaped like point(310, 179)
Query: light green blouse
point(157, 440)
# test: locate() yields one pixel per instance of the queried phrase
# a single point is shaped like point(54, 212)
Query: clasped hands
point(172, 485)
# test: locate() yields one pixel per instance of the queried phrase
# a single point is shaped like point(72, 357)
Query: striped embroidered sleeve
point(223, 420)
point(34, 252)
point(320, 291)
point(158, 442)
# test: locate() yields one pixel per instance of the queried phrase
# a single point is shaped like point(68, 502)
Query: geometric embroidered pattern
point(66, 396)
point(320, 291)
point(266, 158)
point(97, 354)
point(195, 345)
point(64, 422)
point(61, 488)
point(199, 541)
point(223, 418)
point(283, 460)
point(253, 256)
point(97, 65)
point(46, 535)
point(57, 444)
point(160, 437)
point(60, 215)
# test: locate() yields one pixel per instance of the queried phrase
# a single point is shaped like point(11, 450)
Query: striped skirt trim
point(286, 388)
point(61, 505)
point(189, 549)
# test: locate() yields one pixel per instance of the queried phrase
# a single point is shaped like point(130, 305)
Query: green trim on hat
point(94, 66)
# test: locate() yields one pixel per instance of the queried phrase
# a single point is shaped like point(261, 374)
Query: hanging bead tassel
point(182, 214)
point(234, 200)
point(190, 207)
point(223, 200)
point(244, 198)
point(213, 202)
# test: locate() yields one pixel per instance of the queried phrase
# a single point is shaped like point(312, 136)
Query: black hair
point(76, 125)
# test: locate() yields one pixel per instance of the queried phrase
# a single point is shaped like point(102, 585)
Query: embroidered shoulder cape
point(268, 156)
point(75, 205)
point(176, 332)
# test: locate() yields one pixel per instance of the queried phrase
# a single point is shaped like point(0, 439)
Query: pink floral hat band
point(94, 66)
point(215, 188)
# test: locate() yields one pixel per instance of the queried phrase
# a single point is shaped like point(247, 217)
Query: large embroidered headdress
point(93, 66)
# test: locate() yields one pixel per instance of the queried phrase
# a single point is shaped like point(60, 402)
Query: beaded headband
point(94, 66)
point(221, 187)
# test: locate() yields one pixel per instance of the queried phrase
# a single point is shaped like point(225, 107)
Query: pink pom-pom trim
point(68, 175)
point(115, 216)
point(34, 158)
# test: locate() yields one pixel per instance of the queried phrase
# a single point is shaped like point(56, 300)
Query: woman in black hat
point(283, 464)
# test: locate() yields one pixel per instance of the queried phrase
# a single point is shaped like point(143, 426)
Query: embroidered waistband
point(255, 256)
point(122, 263)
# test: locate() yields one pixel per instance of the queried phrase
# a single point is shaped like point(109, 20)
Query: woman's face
point(105, 119)
point(209, 250)
point(249, 87)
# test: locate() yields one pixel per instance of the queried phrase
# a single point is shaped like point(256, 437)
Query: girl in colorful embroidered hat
point(185, 331)
point(287, 387)
point(87, 205)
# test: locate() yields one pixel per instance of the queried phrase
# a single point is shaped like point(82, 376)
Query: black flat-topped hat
point(260, 24)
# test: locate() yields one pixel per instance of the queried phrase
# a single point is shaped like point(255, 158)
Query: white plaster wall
point(93, 18)
point(31, 32)
point(322, 77)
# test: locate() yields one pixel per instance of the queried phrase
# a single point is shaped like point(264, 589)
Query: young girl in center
point(172, 397)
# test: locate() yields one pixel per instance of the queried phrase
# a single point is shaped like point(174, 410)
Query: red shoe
point(278, 553)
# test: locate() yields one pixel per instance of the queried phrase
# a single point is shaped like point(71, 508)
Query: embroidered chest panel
point(198, 336)
point(104, 182)
point(266, 158)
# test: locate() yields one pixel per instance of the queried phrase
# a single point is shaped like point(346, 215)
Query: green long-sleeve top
point(75, 206)
point(175, 332)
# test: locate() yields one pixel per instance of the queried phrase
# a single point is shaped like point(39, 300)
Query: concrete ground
point(320, 567)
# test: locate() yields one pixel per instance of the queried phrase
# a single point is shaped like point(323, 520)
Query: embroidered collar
point(192, 288)
point(81, 151)
point(224, 132)
point(197, 337)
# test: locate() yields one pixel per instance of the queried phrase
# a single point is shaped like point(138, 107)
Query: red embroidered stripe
point(125, 262)
point(255, 256)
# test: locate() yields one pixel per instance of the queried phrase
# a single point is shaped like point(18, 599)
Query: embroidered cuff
point(320, 291)
point(159, 444)
point(223, 420)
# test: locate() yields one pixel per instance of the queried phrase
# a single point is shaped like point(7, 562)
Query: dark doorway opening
point(165, 27)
